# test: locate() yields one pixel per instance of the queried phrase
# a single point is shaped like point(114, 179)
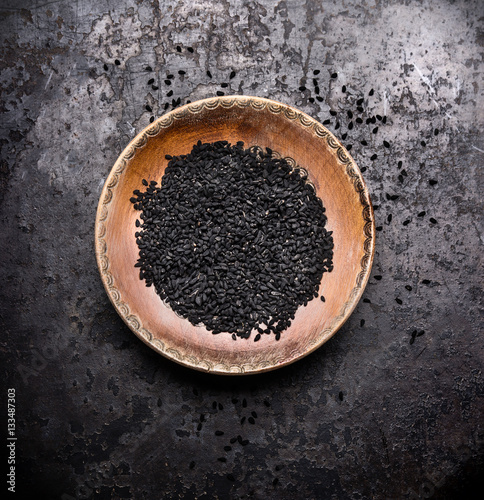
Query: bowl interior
point(254, 121)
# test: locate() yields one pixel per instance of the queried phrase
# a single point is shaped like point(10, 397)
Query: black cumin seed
point(323, 299)
point(364, 143)
point(219, 433)
point(192, 464)
point(359, 102)
point(412, 340)
point(406, 222)
point(374, 157)
point(423, 143)
point(368, 301)
point(257, 337)
point(181, 72)
point(230, 477)
point(375, 130)
point(190, 49)
point(400, 178)
point(232, 75)
point(421, 214)
point(155, 87)
point(340, 395)
point(220, 93)
point(227, 448)
point(167, 82)
point(426, 282)
point(144, 182)
point(244, 403)
point(349, 146)
point(316, 72)
point(386, 144)
point(316, 89)
point(148, 68)
point(350, 126)
point(432, 182)
point(178, 48)
point(343, 88)
point(319, 98)
point(335, 75)
point(408, 287)
point(302, 88)
point(117, 62)
point(420, 333)
point(398, 301)
point(149, 108)
point(332, 112)
point(220, 406)
point(362, 322)
point(242, 420)
point(199, 427)
point(379, 228)
point(279, 467)
point(251, 420)
point(209, 74)
point(371, 92)
point(378, 277)
point(311, 99)
point(436, 131)
point(326, 122)
point(254, 414)
point(363, 169)
point(105, 67)
point(224, 85)
point(389, 218)
point(432, 220)
point(222, 459)
point(275, 481)
point(152, 119)
point(166, 105)
point(266, 403)
point(150, 81)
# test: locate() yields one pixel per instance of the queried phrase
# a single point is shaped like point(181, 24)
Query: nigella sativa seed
point(233, 239)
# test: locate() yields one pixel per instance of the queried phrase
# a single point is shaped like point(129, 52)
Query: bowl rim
point(165, 121)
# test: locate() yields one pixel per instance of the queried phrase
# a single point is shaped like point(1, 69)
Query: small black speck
point(412, 340)
point(389, 218)
point(363, 169)
point(209, 74)
point(319, 98)
point(367, 301)
point(332, 112)
point(349, 146)
point(190, 49)
point(408, 287)
point(399, 164)
point(375, 130)
point(149, 108)
point(181, 72)
point(266, 403)
point(421, 214)
point(230, 477)
point(219, 433)
point(232, 75)
point(323, 299)
point(169, 94)
point(363, 143)
point(316, 72)
point(423, 143)
point(149, 68)
point(302, 88)
point(220, 93)
point(227, 448)
point(343, 88)
point(327, 122)
point(406, 222)
point(192, 464)
point(432, 220)
point(117, 62)
point(433, 182)
point(371, 92)
point(155, 87)
point(436, 131)
point(386, 144)
point(340, 395)
point(379, 228)
point(378, 277)
point(362, 322)
point(178, 48)
point(222, 459)
point(398, 301)
point(420, 333)
point(105, 67)
point(334, 75)
point(426, 282)
point(152, 119)
point(150, 81)
point(275, 481)
point(374, 157)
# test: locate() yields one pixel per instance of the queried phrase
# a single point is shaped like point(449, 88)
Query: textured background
point(371, 414)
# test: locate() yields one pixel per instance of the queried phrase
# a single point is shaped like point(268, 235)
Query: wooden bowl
point(256, 121)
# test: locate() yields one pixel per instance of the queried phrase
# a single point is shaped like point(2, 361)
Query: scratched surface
point(392, 407)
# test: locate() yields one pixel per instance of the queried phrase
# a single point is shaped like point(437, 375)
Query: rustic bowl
point(256, 121)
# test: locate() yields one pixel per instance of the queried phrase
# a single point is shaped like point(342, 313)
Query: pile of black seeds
point(233, 239)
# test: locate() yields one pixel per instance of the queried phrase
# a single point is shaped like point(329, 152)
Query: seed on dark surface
point(117, 62)
point(199, 427)
point(167, 82)
point(148, 68)
point(340, 395)
point(222, 459)
point(231, 233)
point(363, 143)
point(389, 218)
point(244, 403)
point(266, 403)
point(219, 433)
point(254, 414)
point(232, 75)
point(334, 75)
point(436, 131)
point(378, 277)
point(420, 333)
point(400, 178)
point(233, 440)
point(251, 420)
point(421, 214)
point(230, 477)
point(242, 420)
point(432, 220)
point(412, 340)
point(275, 481)
point(367, 301)
point(220, 406)
point(399, 164)
point(406, 222)
point(363, 170)
point(349, 146)
point(192, 464)
point(398, 301)
point(316, 72)
point(433, 182)
point(408, 287)
point(362, 322)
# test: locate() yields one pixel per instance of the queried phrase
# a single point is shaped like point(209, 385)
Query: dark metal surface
point(375, 413)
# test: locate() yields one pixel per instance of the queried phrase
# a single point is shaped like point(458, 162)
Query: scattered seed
point(302, 88)
point(389, 218)
point(362, 322)
point(220, 93)
point(426, 282)
point(378, 277)
point(181, 72)
point(323, 299)
point(150, 81)
point(227, 448)
point(421, 214)
point(374, 157)
point(275, 481)
point(152, 119)
point(209, 74)
point(230, 477)
point(406, 222)
point(343, 88)
point(423, 143)
point(371, 92)
point(192, 464)
point(219, 433)
point(432, 220)
point(340, 396)
point(386, 144)
point(232, 75)
point(178, 48)
point(222, 459)
point(105, 67)
point(117, 62)
point(398, 301)
point(335, 75)
point(375, 130)
point(367, 301)
point(190, 49)
point(432, 182)
point(148, 68)
point(408, 287)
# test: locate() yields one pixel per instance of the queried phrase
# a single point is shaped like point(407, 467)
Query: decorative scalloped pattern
point(166, 121)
